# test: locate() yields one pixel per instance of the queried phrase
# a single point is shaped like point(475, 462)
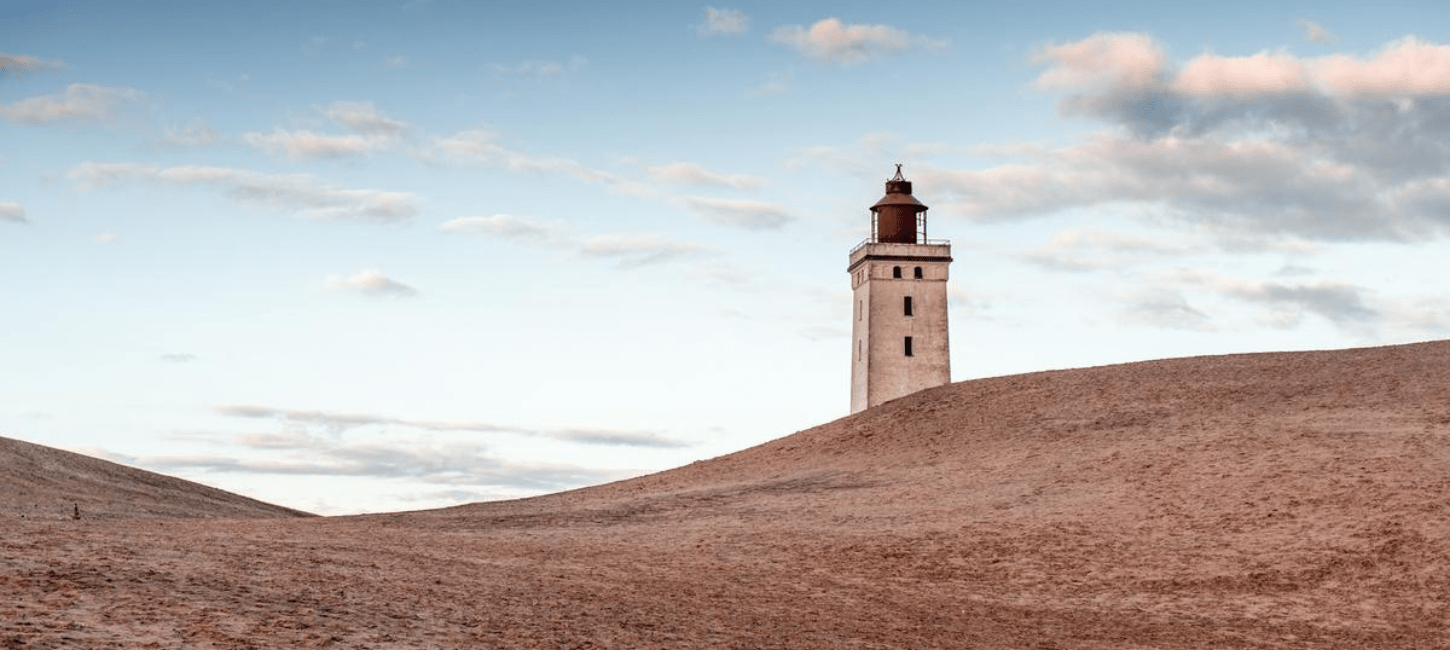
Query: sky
point(361, 256)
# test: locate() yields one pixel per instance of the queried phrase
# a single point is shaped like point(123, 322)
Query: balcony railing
point(918, 242)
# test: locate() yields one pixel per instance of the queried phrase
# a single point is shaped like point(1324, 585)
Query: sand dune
point(39, 482)
point(1288, 500)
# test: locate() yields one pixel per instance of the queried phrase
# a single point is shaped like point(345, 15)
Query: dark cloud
point(1332, 148)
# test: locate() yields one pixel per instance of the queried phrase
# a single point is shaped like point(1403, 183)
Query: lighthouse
point(899, 287)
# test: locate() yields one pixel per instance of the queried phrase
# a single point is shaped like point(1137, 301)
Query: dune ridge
point(1279, 500)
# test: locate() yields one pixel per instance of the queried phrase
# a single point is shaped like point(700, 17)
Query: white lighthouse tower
point(899, 278)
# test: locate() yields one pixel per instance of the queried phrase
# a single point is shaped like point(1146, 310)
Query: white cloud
point(634, 251)
point(684, 173)
point(371, 283)
point(535, 68)
point(723, 22)
point(1317, 33)
point(195, 134)
point(106, 238)
point(363, 117)
point(372, 131)
point(80, 103)
point(830, 40)
point(478, 146)
point(509, 227)
point(18, 62)
point(297, 193)
point(397, 62)
point(300, 145)
point(741, 213)
point(12, 212)
point(178, 358)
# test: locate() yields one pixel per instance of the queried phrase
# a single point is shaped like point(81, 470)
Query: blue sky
point(363, 256)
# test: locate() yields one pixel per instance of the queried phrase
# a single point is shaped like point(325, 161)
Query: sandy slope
point(39, 482)
point(1289, 500)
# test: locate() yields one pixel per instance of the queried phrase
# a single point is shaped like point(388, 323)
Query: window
point(860, 310)
point(895, 271)
point(906, 306)
point(858, 350)
point(908, 346)
point(918, 272)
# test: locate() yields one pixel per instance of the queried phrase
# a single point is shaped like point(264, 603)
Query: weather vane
point(898, 173)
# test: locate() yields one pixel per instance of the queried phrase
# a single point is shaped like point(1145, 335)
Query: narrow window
point(908, 346)
point(858, 350)
point(895, 271)
point(906, 306)
point(860, 310)
point(918, 272)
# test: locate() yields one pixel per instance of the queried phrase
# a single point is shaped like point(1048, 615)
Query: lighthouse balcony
point(925, 249)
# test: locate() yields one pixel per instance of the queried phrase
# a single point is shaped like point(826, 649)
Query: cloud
point(372, 131)
point(363, 117)
point(509, 227)
point(1340, 304)
point(302, 145)
point(12, 212)
point(396, 62)
point(543, 69)
point(178, 358)
point(337, 423)
point(296, 193)
point(195, 134)
point(631, 251)
point(634, 251)
point(481, 147)
point(79, 103)
point(1259, 147)
point(1164, 308)
point(831, 41)
point(106, 238)
point(371, 283)
point(740, 213)
point(21, 62)
point(444, 462)
point(684, 173)
point(723, 22)
point(1095, 250)
point(1316, 33)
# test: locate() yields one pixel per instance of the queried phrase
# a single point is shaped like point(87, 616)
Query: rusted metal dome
point(896, 217)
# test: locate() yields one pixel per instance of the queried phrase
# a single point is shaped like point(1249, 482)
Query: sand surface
point(1294, 500)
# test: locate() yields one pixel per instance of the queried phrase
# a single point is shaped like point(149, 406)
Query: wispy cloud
point(79, 103)
point(370, 283)
point(509, 227)
point(297, 193)
point(544, 69)
point(336, 423)
point(633, 251)
point(686, 173)
point(20, 62)
point(444, 462)
point(629, 251)
point(196, 133)
point(12, 212)
point(1094, 250)
point(829, 40)
point(723, 22)
point(106, 238)
point(371, 131)
point(178, 358)
point(1317, 33)
point(481, 147)
point(741, 213)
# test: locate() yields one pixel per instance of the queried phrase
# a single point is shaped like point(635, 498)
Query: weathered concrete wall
point(880, 369)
